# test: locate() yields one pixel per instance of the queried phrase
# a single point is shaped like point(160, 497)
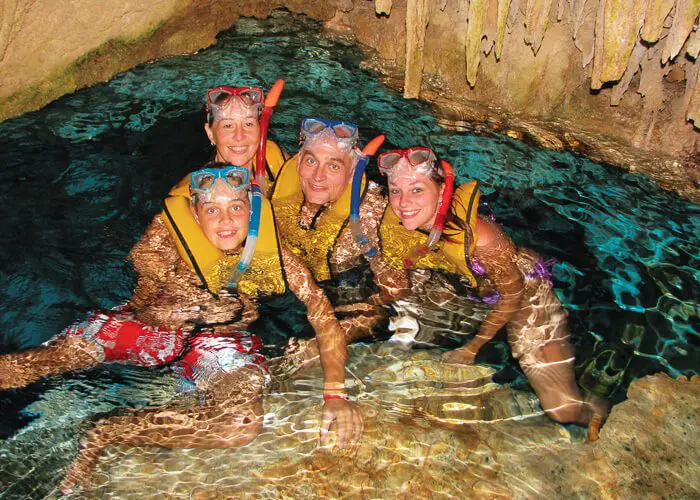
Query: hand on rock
point(461, 356)
point(349, 423)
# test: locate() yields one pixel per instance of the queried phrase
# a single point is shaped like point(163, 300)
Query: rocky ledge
point(432, 431)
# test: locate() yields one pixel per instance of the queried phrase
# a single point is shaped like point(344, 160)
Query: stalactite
point(684, 18)
point(596, 81)
point(490, 33)
point(693, 90)
point(476, 17)
point(503, 6)
point(382, 6)
point(632, 67)
point(416, 22)
point(442, 4)
point(657, 11)
point(536, 20)
point(617, 29)
point(513, 14)
point(579, 9)
point(561, 9)
point(693, 47)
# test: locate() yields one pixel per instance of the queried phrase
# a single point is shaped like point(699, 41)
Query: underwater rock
point(493, 438)
point(648, 448)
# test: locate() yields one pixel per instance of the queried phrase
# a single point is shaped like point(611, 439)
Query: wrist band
point(328, 397)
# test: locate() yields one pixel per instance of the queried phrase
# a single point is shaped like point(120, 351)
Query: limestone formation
point(475, 28)
point(536, 20)
point(433, 432)
point(382, 6)
point(416, 22)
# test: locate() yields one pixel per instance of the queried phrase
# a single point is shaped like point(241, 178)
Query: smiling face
point(413, 196)
point(223, 217)
point(325, 170)
point(235, 133)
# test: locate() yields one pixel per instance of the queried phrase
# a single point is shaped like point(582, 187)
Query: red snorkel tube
point(273, 96)
point(420, 251)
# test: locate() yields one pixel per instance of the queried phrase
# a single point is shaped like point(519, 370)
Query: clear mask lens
point(418, 158)
point(314, 127)
point(203, 181)
point(220, 97)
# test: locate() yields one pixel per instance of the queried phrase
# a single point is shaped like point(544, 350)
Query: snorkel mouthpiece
point(355, 227)
point(421, 251)
point(273, 97)
point(252, 238)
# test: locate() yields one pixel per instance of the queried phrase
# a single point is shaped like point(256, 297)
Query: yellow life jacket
point(317, 244)
point(455, 247)
point(275, 160)
point(265, 274)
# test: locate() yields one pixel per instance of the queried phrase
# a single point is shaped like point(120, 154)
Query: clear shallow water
point(82, 178)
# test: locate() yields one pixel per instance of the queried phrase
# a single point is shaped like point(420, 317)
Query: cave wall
point(625, 68)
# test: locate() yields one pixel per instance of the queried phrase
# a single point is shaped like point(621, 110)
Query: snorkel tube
point(252, 238)
point(273, 96)
point(421, 250)
point(355, 227)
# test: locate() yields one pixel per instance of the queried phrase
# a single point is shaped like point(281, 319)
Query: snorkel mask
point(344, 134)
point(219, 100)
point(208, 184)
point(250, 100)
point(422, 160)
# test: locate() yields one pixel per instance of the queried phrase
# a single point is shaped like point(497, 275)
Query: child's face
point(223, 217)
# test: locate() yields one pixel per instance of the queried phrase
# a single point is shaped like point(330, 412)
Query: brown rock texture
point(432, 431)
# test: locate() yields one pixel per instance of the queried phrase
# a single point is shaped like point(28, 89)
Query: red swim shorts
point(123, 338)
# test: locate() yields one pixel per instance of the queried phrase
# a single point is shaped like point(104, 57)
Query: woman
point(313, 198)
point(514, 280)
point(172, 316)
point(237, 123)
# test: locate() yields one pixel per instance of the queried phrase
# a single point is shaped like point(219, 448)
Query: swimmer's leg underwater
point(231, 417)
point(62, 354)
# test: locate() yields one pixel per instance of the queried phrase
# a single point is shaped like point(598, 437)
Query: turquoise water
point(83, 177)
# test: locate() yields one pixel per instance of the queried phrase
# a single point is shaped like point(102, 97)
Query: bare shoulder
point(487, 232)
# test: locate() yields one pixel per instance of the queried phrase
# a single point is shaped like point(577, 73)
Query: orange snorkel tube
point(420, 251)
point(273, 96)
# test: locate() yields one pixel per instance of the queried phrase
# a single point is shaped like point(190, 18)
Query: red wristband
point(327, 397)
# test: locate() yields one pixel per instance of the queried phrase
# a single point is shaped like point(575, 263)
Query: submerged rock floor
point(431, 431)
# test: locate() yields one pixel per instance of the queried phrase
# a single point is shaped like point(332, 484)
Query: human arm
point(153, 258)
point(495, 250)
point(333, 352)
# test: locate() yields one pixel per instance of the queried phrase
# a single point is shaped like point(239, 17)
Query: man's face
point(235, 133)
point(325, 170)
